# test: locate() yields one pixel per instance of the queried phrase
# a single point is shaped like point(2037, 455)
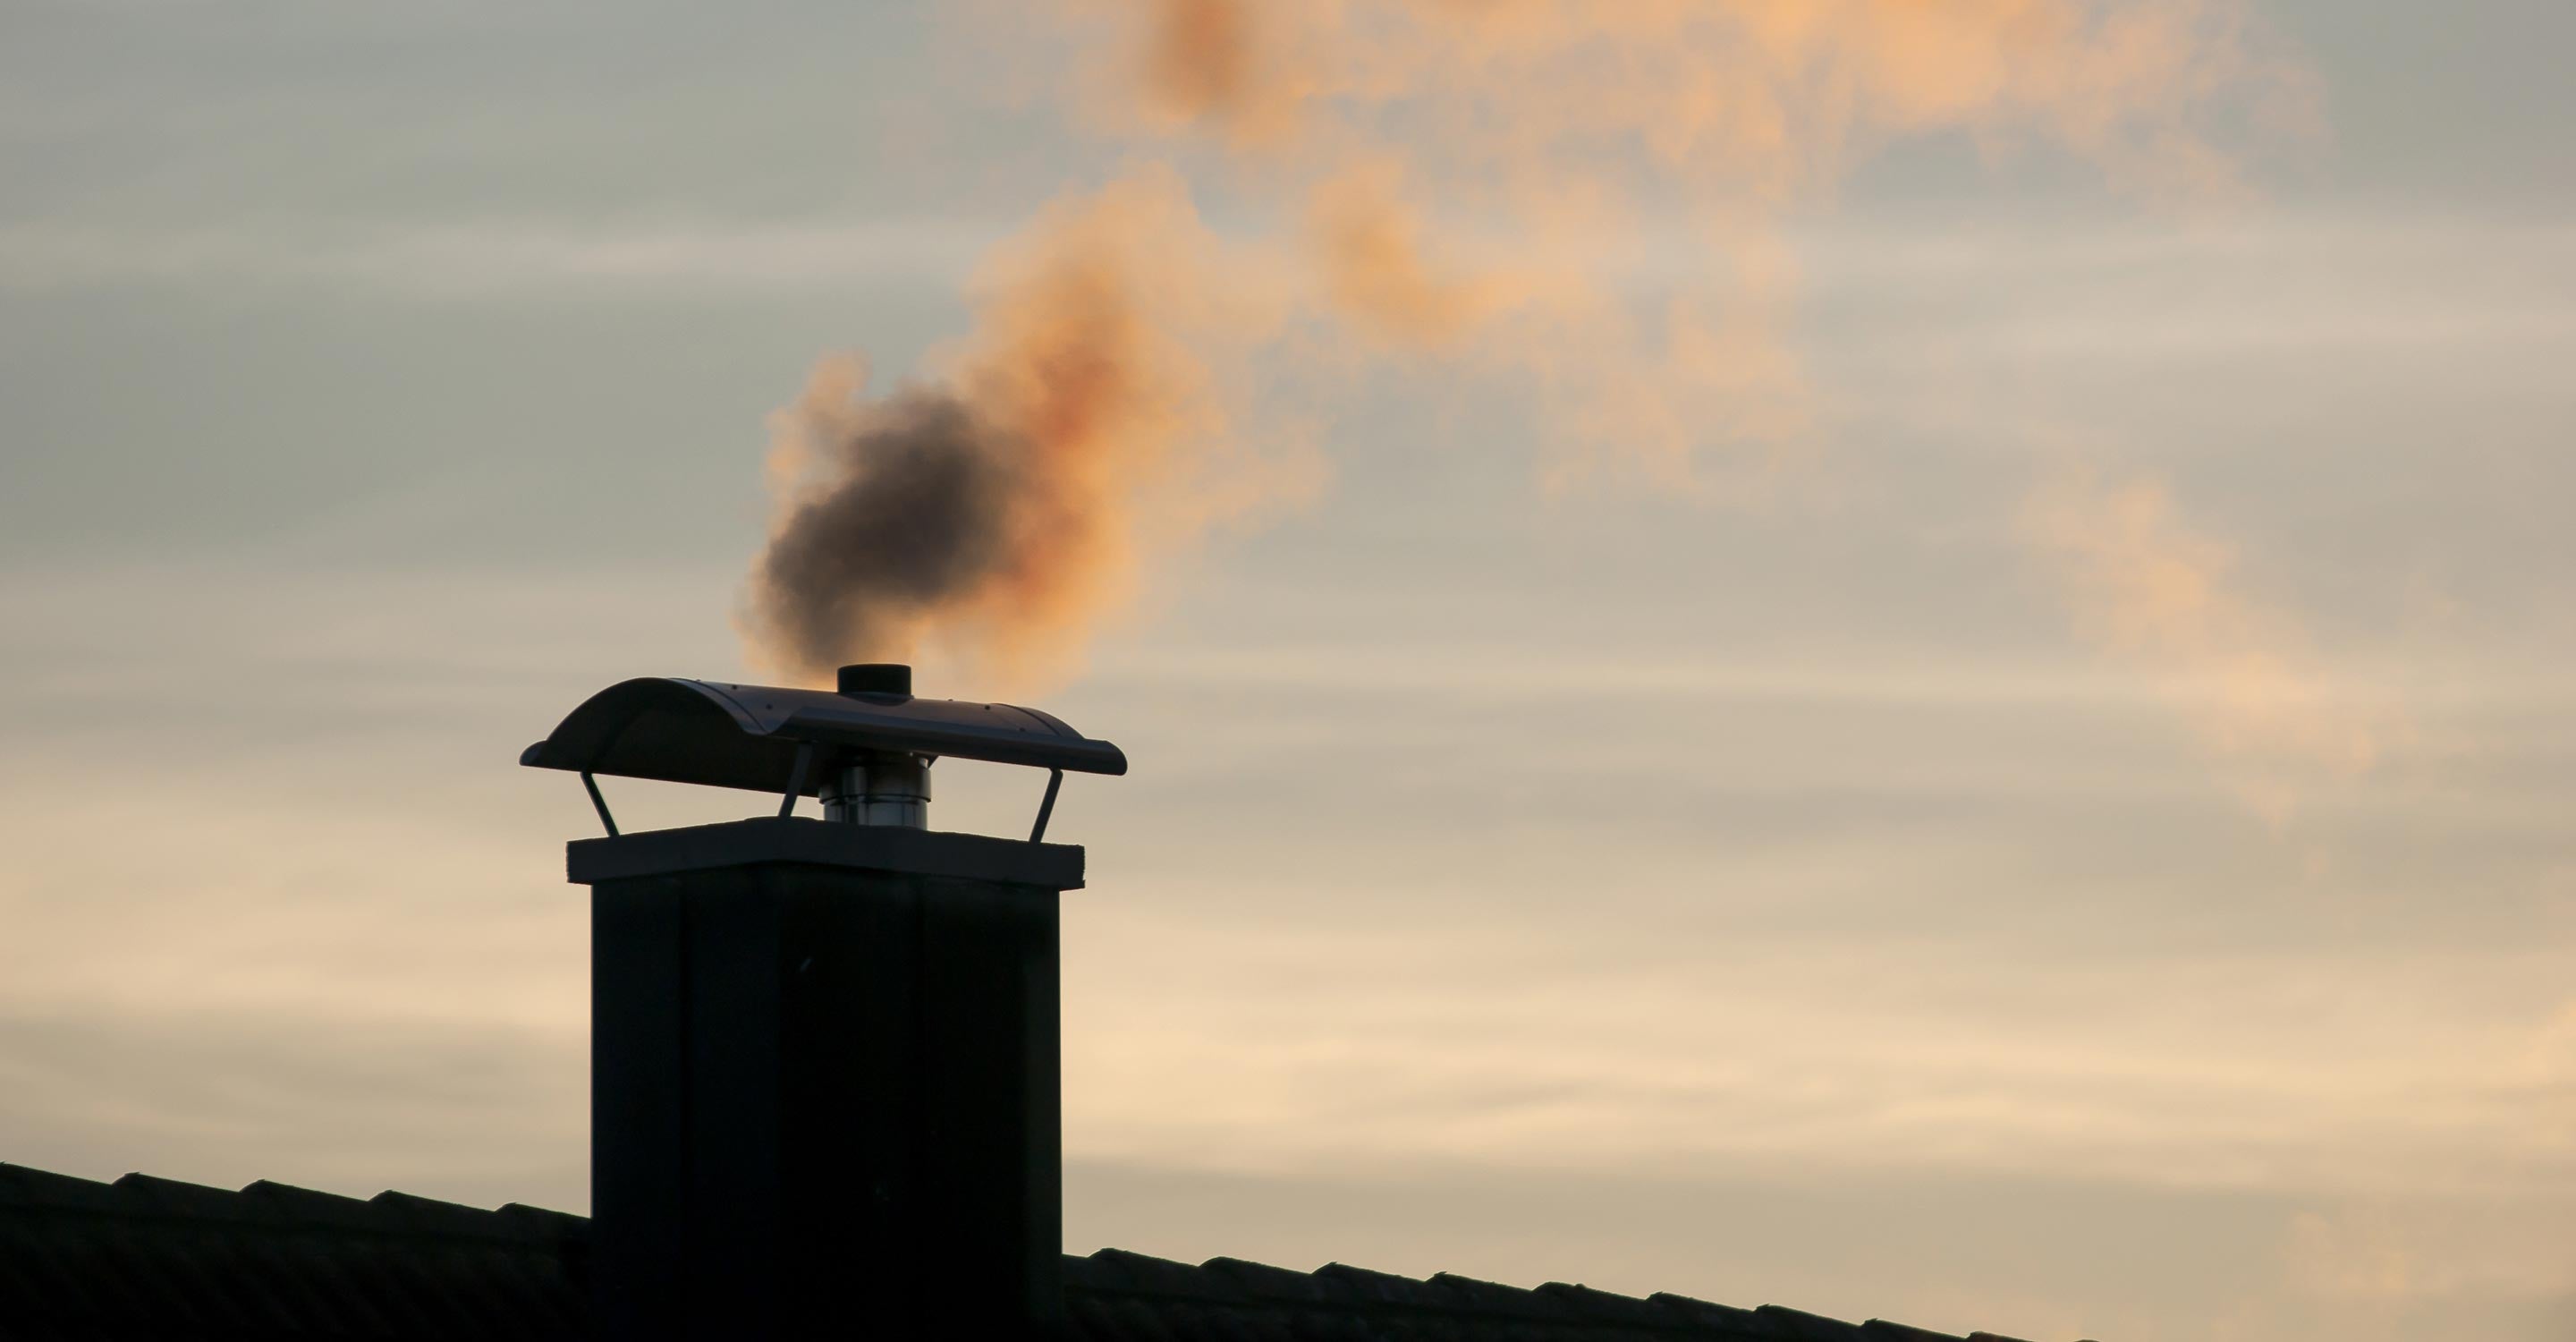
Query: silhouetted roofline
point(155, 1257)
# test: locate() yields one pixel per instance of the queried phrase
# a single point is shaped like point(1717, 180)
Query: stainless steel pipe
point(880, 788)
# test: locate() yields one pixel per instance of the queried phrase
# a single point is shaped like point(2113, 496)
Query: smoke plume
point(1463, 180)
point(996, 510)
point(916, 517)
point(1475, 178)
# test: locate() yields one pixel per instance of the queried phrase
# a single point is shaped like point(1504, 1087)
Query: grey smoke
point(914, 515)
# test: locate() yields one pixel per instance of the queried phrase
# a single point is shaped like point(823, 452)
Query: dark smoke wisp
point(992, 515)
point(908, 516)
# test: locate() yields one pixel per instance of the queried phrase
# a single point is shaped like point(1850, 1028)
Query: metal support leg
point(600, 804)
point(796, 780)
point(1055, 779)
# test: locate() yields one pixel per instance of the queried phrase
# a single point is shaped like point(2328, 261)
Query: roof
point(176, 1262)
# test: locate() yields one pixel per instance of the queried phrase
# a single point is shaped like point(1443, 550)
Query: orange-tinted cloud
point(2148, 587)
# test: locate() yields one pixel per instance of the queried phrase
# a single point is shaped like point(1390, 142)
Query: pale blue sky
point(1783, 902)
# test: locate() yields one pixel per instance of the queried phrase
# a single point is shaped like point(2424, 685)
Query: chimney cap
point(747, 736)
point(876, 678)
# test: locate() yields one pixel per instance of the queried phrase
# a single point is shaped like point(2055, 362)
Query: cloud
point(2148, 587)
point(344, 1101)
point(495, 259)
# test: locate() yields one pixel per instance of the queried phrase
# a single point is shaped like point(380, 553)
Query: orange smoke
point(996, 512)
point(1555, 125)
point(1199, 62)
point(1372, 248)
point(999, 510)
point(1743, 95)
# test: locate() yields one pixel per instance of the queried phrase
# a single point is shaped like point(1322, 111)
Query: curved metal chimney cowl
point(825, 1054)
point(864, 748)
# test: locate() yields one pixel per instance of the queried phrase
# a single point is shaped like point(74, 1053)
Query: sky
point(2063, 830)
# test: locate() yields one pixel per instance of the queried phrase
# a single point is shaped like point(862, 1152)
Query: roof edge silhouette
point(180, 1260)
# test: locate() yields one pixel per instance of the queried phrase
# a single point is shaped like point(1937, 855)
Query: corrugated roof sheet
point(146, 1258)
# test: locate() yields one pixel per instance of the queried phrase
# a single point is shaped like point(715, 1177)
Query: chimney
point(824, 1052)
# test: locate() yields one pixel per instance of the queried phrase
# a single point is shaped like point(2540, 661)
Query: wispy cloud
point(497, 258)
point(2151, 588)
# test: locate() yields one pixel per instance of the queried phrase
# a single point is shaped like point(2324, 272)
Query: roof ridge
point(1239, 1283)
point(532, 1261)
point(279, 1207)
